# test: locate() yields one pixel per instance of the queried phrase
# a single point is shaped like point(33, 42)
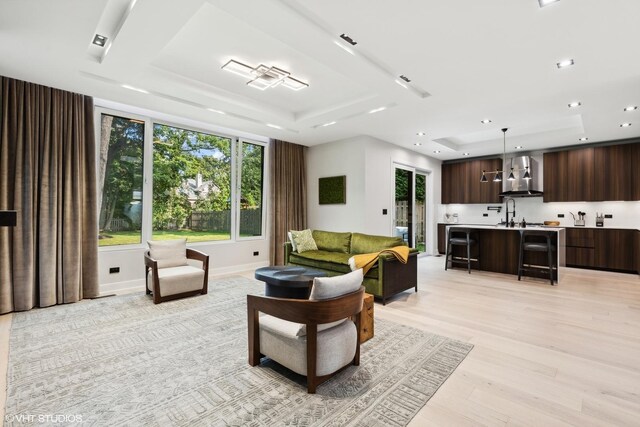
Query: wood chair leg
point(446, 254)
point(312, 350)
point(468, 255)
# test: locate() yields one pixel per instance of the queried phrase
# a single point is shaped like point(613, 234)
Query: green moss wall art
point(332, 190)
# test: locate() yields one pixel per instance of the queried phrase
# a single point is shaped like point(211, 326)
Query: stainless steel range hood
point(521, 187)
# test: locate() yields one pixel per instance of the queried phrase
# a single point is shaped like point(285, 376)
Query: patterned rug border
point(401, 368)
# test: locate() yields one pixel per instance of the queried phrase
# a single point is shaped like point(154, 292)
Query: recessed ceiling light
point(216, 111)
point(418, 144)
point(631, 108)
point(575, 104)
point(375, 110)
point(274, 126)
point(436, 151)
point(565, 63)
point(465, 154)
point(329, 124)
point(348, 39)
point(421, 133)
point(544, 3)
point(583, 139)
point(519, 147)
point(625, 125)
point(99, 40)
point(134, 88)
point(485, 121)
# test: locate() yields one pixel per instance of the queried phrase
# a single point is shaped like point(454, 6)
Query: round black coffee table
point(288, 281)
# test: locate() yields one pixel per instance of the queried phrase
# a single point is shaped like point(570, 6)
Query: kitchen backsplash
point(625, 214)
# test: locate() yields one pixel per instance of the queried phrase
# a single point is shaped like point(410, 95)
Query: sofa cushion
point(176, 280)
point(336, 286)
point(332, 241)
point(168, 253)
point(367, 243)
point(336, 348)
point(304, 241)
point(325, 256)
point(293, 242)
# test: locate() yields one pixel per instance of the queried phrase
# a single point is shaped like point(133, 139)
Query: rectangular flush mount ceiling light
point(263, 77)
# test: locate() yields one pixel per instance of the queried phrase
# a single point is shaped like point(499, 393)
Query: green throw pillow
point(304, 241)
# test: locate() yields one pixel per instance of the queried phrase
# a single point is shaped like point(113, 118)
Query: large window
point(120, 172)
point(197, 185)
point(191, 185)
point(251, 189)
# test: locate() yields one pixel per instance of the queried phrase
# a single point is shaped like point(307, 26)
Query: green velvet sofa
point(387, 278)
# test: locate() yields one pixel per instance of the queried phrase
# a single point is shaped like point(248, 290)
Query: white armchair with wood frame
point(318, 337)
point(169, 275)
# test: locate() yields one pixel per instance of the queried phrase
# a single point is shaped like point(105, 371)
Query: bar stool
point(536, 241)
point(459, 236)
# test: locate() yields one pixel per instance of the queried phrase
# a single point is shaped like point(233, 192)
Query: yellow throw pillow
point(304, 241)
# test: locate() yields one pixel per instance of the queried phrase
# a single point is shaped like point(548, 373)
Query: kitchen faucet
point(513, 212)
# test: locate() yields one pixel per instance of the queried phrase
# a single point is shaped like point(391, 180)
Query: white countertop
point(503, 228)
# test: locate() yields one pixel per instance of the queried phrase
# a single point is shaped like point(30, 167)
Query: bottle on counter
point(524, 223)
point(512, 224)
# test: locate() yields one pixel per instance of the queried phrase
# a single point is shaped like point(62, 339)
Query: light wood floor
point(543, 356)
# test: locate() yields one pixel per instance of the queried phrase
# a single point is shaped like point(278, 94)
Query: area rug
point(125, 361)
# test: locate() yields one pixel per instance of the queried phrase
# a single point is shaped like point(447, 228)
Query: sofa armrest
point(288, 248)
point(390, 257)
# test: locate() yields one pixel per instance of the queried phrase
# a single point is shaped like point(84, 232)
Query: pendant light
point(498, 176)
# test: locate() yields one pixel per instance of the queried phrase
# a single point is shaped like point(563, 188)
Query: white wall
point(224, 258)
point(368, 164)
point(344, 157)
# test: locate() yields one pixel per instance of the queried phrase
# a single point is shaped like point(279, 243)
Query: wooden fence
point(250, 222)
point(402, 218)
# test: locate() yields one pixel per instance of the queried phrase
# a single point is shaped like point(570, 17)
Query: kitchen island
point(498, 249)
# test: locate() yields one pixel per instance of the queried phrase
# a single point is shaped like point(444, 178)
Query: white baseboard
point(138, 284)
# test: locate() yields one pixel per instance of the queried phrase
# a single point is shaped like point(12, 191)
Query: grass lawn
point(133, 237)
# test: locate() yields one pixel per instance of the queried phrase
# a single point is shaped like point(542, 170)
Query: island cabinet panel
point(616, 172)
point(555, 173)
point(461, 182)
point(636, 251)
point(442, 238)
point(614, 249)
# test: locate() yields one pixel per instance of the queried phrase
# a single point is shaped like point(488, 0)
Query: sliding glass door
point(411, 206)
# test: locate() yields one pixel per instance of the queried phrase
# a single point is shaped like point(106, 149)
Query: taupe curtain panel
point(47, 174)
point(288, 194)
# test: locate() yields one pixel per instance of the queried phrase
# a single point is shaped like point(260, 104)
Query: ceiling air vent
point(348, 39)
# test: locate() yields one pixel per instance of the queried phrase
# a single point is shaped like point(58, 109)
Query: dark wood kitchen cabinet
point(592, 174)
point(555, 172)
point(580, 247)
point(615, 249)
point(610, 249)
point(569, 175)
point(615, 166)
point(635, 183)
point(461, 182)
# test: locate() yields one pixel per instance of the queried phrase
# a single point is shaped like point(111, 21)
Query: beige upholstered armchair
point(169, 275)
point(315, 337)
